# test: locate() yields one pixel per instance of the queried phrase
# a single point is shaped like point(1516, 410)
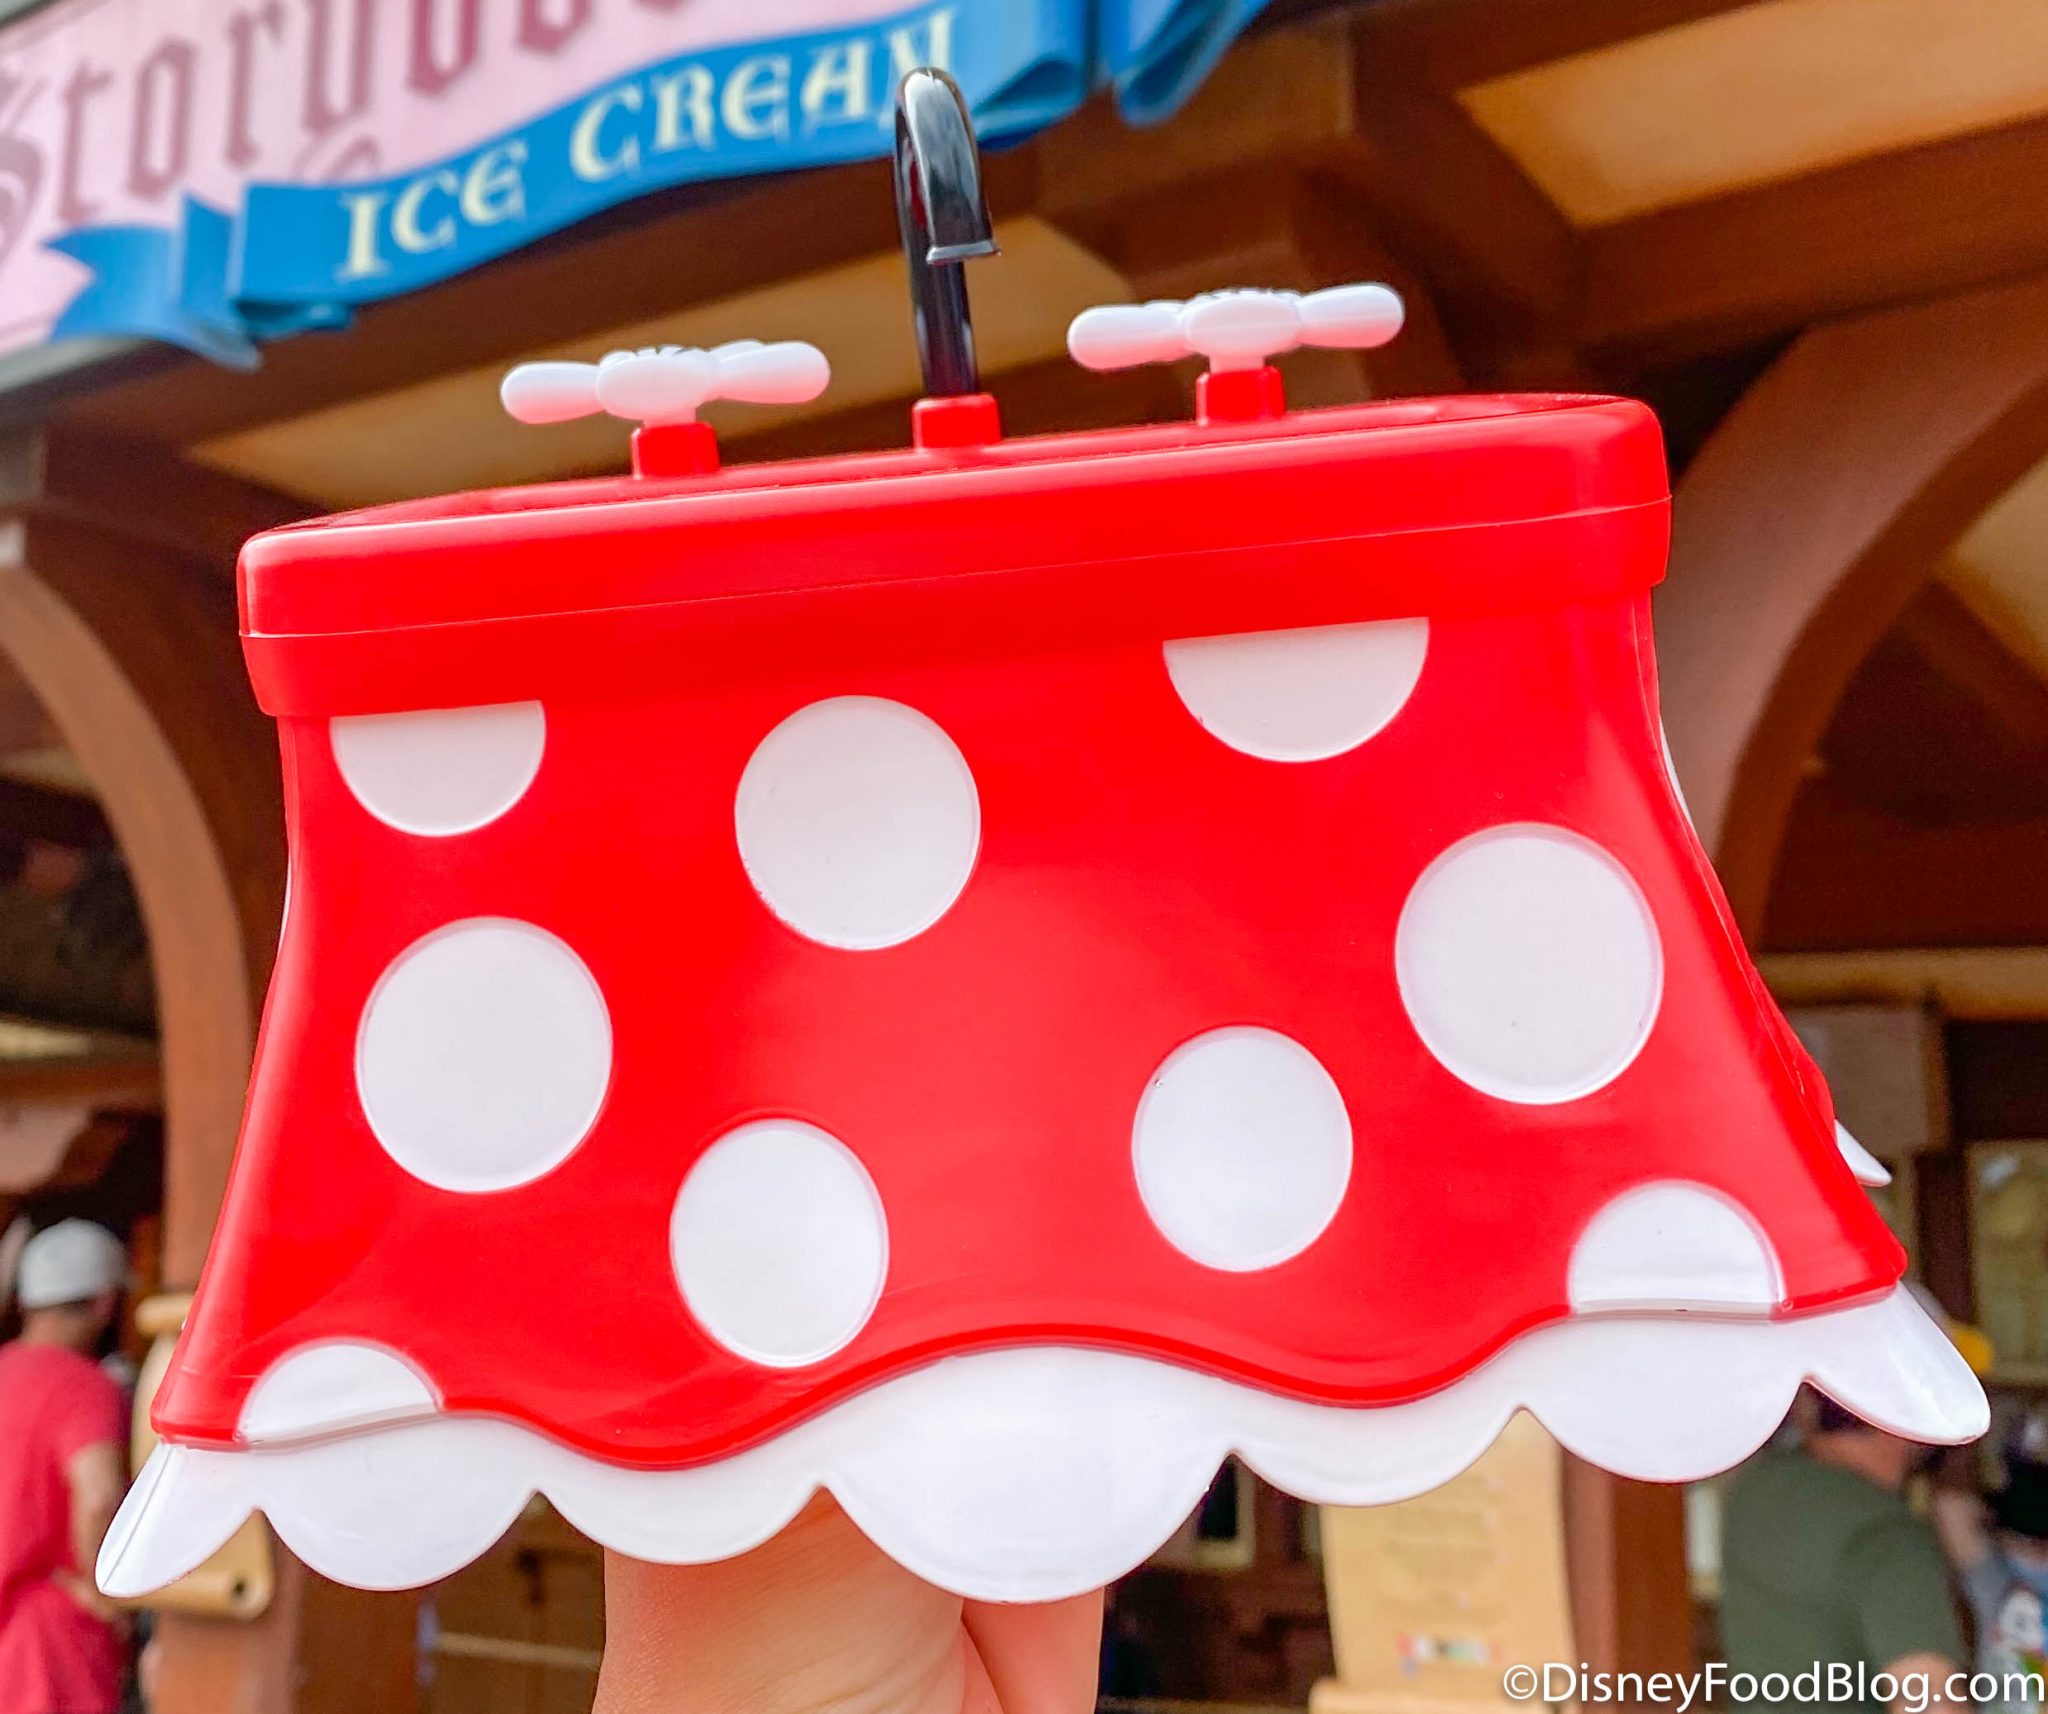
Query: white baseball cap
point(70, 1262)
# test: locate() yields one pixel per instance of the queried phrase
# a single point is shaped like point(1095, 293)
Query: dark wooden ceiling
point(1925, 821)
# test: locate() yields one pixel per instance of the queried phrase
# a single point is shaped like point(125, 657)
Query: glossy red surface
point(1138, 883)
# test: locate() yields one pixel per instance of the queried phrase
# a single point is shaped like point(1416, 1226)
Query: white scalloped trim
point(1869, 1170)
point(1035, 1473)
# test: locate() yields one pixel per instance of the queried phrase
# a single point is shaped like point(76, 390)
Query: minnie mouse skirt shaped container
point(985, 978)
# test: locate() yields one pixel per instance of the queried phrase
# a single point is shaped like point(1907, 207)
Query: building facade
point(261, 261)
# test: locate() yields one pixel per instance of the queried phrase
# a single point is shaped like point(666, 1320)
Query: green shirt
point(1820, 1565)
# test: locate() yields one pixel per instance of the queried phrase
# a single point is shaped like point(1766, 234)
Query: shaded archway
point(1807, 523)
point(132, 653)
point(117, 608)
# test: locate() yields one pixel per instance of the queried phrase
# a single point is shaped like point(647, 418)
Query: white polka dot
point(1672, 1246)
point(446, 771)
point(1242, 1148)
point(484, 1055)
point(336, 1387)
point(858, 822)
point(779, 1243)
point(1300, 696)
point(1529, 963)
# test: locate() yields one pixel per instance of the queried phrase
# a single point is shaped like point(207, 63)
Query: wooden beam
point(1821, 505)
point(211, 1666)
point(136, 655)
point(1962, 982)
point(1941, 729)
point(128, 1083)
point(1461, 42)
point(1318, 155)
point(141, 491)
point(1625, 1547)
point(1338, 240)
point(1450, 197)
point(134, 651)
point(45, 1150)
point(1922, 222)
point(659, 255)
point(1278, 106)
point(1951, 639)
point(358, 1649)
point(1853, 875)
point(1290, 225)
point(1274, 103)
point(24, 721)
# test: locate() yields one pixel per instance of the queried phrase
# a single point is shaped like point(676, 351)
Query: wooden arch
point(1816, 511)
point(132, 652)
point(117, 608)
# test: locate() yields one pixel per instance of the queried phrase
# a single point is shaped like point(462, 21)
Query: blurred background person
point(63, 1470)
point(1823, 1560)
point(1999, 1549)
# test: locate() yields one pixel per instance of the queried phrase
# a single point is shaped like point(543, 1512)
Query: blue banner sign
point(299, 255)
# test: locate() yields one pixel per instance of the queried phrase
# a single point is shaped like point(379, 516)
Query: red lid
point(1413, 507)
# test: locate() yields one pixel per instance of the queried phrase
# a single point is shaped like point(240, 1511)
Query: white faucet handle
point(1240, 330)
point(656, 387)
point(662, 385)
point(540, 393)
point(1236, 329)
point(1121, 336)
point(786, 373)
point(1352, 318)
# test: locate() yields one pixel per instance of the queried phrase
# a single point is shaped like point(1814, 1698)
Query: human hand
point(821, 1621)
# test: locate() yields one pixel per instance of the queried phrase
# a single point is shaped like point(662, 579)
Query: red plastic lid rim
point(1327, 517)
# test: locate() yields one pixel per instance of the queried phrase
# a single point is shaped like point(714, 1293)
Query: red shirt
point(55, 1657)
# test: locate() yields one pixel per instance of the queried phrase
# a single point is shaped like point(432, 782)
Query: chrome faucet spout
point(945, 223)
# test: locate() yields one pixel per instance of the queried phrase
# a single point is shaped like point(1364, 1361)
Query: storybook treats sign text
point(212, 174)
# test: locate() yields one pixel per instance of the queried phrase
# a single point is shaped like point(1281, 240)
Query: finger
point(816, 1621)
point(1040, 1659)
